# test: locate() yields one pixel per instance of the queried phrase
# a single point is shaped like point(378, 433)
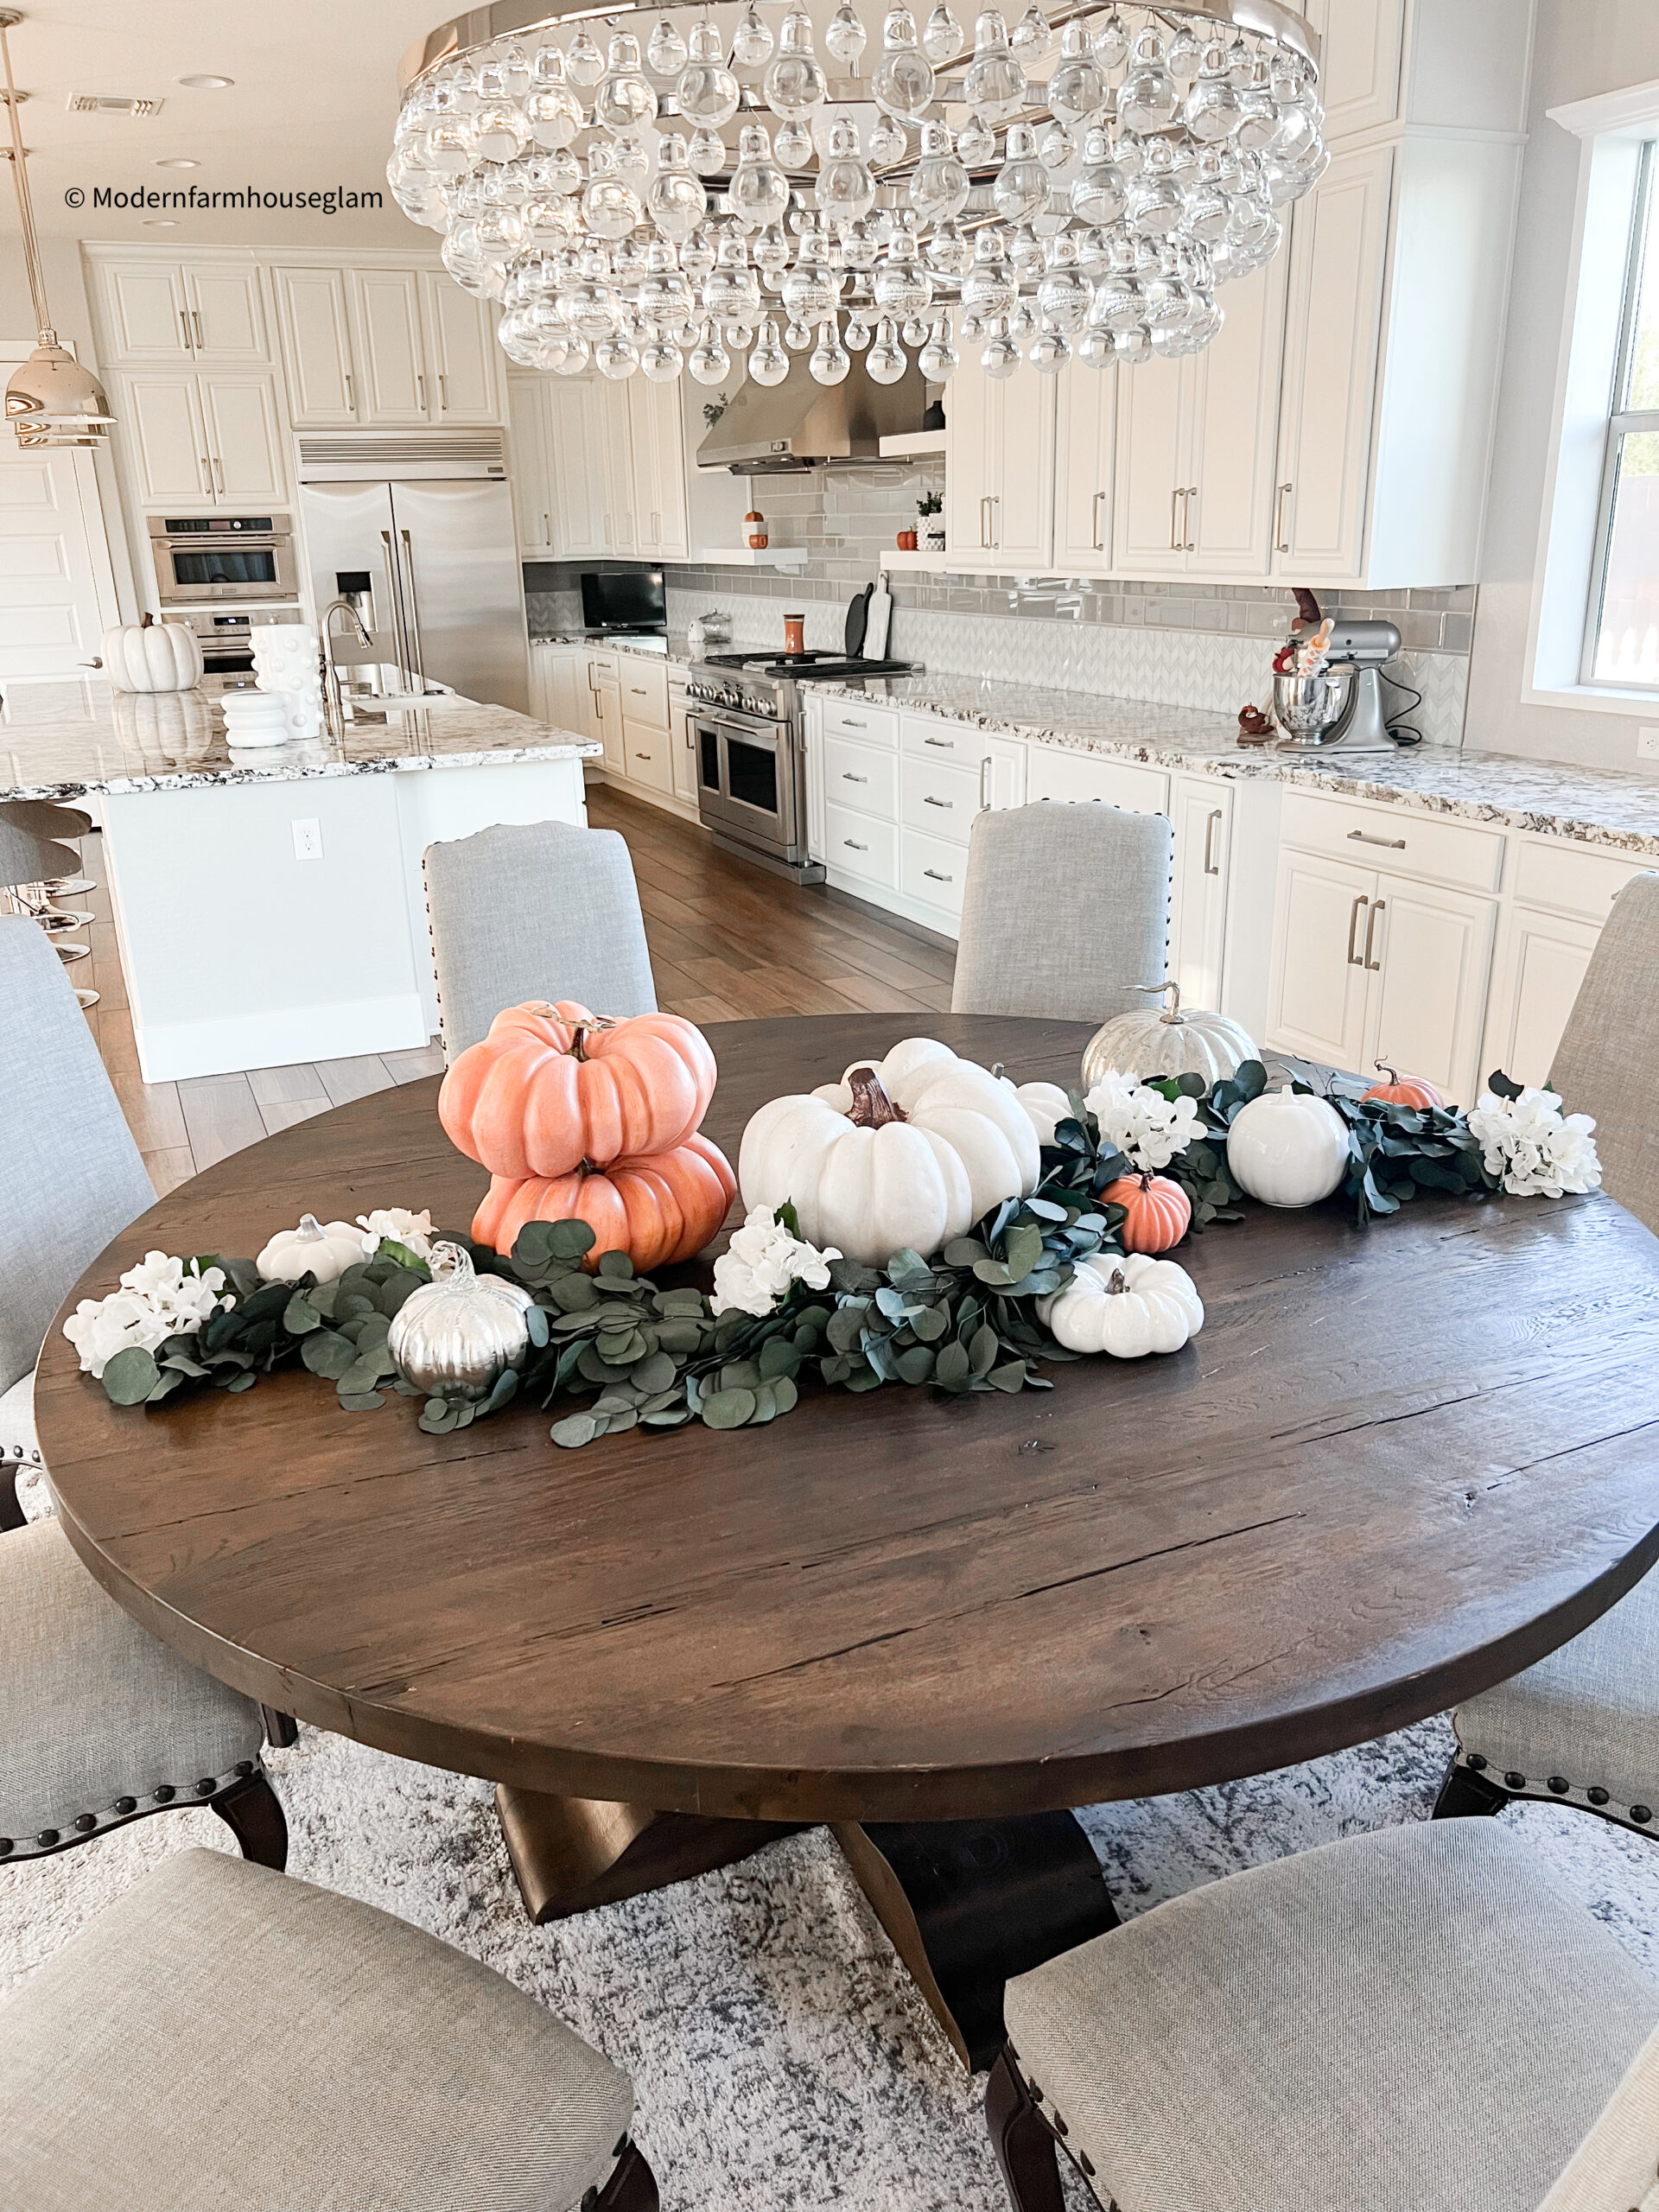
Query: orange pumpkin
point(657, 1210)
point(1157, 1211)
point(1404, 1090)
point(553, 1086)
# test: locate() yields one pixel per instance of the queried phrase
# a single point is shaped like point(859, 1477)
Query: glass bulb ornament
point(938, 359)
point(1048, 352)
point(706, 151)
point(1076, 84)
point(624, 99)
point(739, 336)
point(811, 292)
point(1258, 114)
point(947, 251)
point(859, 249)
point(943, 36)
point(554, 115)
point(976, 142)
point(665, 50)
point(498, 132)
point(616, 357)
point(661, 361)
point(846, 189)
point(1032, 37)
point(829, 361)
point(708, 361)
point(697, 255)
point(1057, 149)
point(1100, 192)
point(886, 360)
point(1111, 42)
point(707, 93)
point(902, 84)
point(794, 143)
point(1211, 109)
point(845, 39)
point(900, 285)
point(794, 83)
point(856, 336)
point(584, 64)
point(630, 161)
point(1020, 186)
point(610, 207)
point(1000, 357)
point(770, 254)
point(759, 191)
point(939, 184)
point(751, 41)
point(989, 287)
point(1149, 96)
point(797, 336)
point(768, 364)
point(888, 143)
point(1065, 296)
point(1184, 56)
point(674, 200)
point(994, 84)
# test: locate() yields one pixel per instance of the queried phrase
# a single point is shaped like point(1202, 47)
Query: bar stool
point(68, 824)
point(28, 864)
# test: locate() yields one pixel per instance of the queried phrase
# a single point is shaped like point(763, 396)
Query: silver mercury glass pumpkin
point(455, 1337)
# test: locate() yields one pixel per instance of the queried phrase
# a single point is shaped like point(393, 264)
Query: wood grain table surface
point(1397, 1464)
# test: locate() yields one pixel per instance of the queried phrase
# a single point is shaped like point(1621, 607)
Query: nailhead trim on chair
point(1557, 1789)
point(123, 1810)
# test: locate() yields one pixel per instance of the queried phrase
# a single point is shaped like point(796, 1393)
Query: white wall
point(65, 291)
point(1584, 46)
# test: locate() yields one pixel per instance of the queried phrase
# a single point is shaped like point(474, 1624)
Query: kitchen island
point(268, 904)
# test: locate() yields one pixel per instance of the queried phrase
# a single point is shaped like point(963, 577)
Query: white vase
point(285, 660)
point(1287, 1148)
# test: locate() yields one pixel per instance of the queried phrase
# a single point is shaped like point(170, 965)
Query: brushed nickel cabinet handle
point(1281, 540)
point(420, 390)
point(985, 520)
point(1365, 837)
point(1095, 538)
point(848, 777)
point(1175, 499)
point(853, 845)
point(1211, 865)
point(933, 876)
point(185, 320)
point(1354, 960)
point(984, 779)
point(443, 392)
point(351, 392)
point(848, 721)
point(207, 475)
point(218, 470)
point(928, 800)
point(1189, 544)
point(943, 744)
point(195, 320)
point(996, 519)
point(1376, 966)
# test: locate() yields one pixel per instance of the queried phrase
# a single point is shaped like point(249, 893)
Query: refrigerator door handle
point(394, 592)
point(412, 613)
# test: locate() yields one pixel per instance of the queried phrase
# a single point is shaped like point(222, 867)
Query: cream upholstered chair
point(547, 912)
point(1582, 1726)
point(1064, 911)
point(99, 1724)
point(226, 2038)
point(1412, 2018)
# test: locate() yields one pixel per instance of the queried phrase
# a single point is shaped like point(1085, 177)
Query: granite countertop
point(1614, 807)
point(672, 647)
point(61, 741)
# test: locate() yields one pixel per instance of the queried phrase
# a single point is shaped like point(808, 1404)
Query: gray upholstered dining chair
point(99, 1724)
point(1412, 2018)
point(223, 2036)
point(547, 911)
point(1581, 1727)
point(1065, 910)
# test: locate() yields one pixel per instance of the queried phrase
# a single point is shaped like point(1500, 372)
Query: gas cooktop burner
point(808, 663)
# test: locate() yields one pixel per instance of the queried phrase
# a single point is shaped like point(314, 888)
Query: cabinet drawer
point(644, 690)
point(861, 846)
point(646, 754)
point(860, 776)
point(930, 869)
point(1053, 773)
point(939, 798)
point(929, 739)
point(851, 718)
point(1394, 837)
point(1573, 879)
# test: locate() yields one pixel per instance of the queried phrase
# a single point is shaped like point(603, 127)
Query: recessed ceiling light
point(206, 84)
point(160, 223)
point(177, 161)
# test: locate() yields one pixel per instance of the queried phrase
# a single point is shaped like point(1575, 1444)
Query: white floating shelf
point(896, 560)
point(912, 445)
point(740, 557)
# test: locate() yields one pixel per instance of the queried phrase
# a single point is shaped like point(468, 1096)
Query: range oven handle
point(742, 725)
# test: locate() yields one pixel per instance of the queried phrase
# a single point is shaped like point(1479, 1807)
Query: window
point(1622, 638)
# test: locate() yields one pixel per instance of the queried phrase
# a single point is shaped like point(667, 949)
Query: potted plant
point(930, 505)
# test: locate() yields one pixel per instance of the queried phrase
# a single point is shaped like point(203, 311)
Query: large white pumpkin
point(152, 656)
point(1126, 1308)
point(1287, 1148)
point(906, 1151)
point(1163, 1040)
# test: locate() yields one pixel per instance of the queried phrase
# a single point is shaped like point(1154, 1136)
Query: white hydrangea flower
point(1533, 1148)
point(1147, 1127)
point(761, 1263)
point(413, 1231)
point(158, 1298)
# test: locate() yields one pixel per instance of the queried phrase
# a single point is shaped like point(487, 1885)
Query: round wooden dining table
point(1397, 1464)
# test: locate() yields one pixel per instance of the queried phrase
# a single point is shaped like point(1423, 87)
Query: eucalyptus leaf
point(728, 1409)
point(784, 1392)
point(361, 1401)
point(1024, 1248)
point(130, 1376)
point(964, 1251)
point(299, 1316)
point(952, 1368)
point(653, 1373)
point(327, 1353)
point(778, 1357)
point(915, 1366)
point(574, 1430)
point(981, 1352)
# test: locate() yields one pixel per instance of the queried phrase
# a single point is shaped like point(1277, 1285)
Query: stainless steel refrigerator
point(434, 566)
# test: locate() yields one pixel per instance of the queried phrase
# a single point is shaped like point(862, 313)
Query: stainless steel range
point(748, 729)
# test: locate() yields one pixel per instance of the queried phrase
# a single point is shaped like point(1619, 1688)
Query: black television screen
point(624, 598)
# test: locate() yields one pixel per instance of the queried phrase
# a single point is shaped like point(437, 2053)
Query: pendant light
point(51, 400)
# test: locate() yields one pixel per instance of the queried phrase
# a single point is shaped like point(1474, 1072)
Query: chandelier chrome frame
point(1090, 212)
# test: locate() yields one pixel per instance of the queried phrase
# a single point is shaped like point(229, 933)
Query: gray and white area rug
point(782, 2061)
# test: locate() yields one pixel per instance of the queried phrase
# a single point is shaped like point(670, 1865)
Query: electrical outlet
point(308, 841)
point(1647, 742)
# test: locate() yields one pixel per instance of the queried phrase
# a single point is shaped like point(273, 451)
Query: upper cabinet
point(1000, 467)
point(461, 350)
point(392, 361)
point(311, 313)
point(1365, 47)
point(384, 346)
point(600, 469)
point(171, 311)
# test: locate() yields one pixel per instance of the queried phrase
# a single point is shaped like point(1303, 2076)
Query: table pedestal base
point(965, 1903)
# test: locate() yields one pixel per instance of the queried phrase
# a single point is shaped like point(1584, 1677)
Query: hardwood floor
point(728, 943)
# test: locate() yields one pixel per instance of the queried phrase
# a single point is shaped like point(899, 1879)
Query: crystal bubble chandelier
point(658, 191)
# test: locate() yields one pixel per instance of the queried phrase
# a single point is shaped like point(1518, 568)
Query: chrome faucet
point(337, 706)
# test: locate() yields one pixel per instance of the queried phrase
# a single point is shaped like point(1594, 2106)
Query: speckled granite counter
point(1607, 806)
point(671, 647)
point(62, 741)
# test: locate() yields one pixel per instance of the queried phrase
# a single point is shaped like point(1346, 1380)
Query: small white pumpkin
point(906, 1151)
point(1162, 1041)
point(1287, 1148)
point(322, 1249)
point(453, 1336)
point(166, 729)
point(1125, 1307)
point(152, 656)
point(1047, 1103)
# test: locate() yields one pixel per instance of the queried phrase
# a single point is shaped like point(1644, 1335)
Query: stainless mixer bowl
point(1306, 707)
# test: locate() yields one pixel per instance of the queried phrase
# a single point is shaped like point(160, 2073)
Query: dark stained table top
point(1397, 1465)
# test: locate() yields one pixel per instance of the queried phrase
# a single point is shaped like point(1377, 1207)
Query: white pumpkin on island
point(906, 1151)
point(324, 1250)
point(1125, 1306)
point(1287, 1148)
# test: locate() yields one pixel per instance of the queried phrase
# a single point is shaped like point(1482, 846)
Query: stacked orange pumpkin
point(579, 1118)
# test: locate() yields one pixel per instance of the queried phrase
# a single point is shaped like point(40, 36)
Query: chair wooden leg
point(631, 2187)
point(253, 1813)
point(1465, 1793)
point(1021, 2140)
point(12, 1515)
point(281, 1729)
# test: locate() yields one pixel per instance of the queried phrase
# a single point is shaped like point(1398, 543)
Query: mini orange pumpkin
point(1158, 1211)
point(1404, 1090)
point(657, 1210)
point(552, 1086)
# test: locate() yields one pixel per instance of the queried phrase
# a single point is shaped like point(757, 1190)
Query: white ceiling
point(313, 107)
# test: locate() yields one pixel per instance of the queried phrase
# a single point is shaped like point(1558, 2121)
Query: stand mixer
point(1341, 708)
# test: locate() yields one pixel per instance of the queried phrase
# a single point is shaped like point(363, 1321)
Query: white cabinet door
point(1153, 487)
point(389, 347)
point(662, 526)
point(682, 747)
point(1201, 810)
point(1360, 67)
point(533, 494)
point(146, 310)
point(227, 316)
point(1002, 770)
point(1054, 774)
point(1317, 996)
point(968, 459)
point(615, 457)
point(575, 463)
point(1085, 434)
point(460, 352)
point(1234, 431)
point(1430, 954)
point(245, 439)
point(316, 332)
point(1338, 252)
point(568, 694)
point(1540, 968)
point(162, 427)
point(1022, 433)
point(540, 681)
point(607, 727)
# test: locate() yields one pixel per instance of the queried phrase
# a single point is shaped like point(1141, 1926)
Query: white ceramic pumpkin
point(1287, 1148)
point(1125, 1307)
point(152, 656)
point(1047, 1105)
point(1164, 1041)
point(324, 1250)
point(906, 1151)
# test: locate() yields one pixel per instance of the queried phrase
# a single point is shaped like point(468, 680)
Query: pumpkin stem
point(449, 1263)
point(1118, 1285)
point(310, 1228)
point(581, 1033)
point(1171, 990)
point(1383, 1068)
point(146, 621)
point(872, 1108)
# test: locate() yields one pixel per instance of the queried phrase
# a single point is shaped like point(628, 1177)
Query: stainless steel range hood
point(801, 424)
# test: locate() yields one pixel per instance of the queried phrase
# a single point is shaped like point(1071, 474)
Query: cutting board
point(858, 615)
point(875, 630)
